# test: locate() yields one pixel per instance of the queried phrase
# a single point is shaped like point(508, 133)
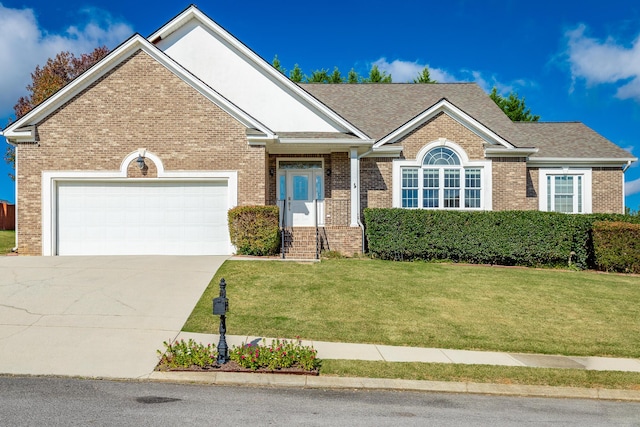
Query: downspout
point(624, 192)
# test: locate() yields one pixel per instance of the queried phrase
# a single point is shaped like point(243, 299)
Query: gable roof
point(22, 130)
point(382, 109)
point(379, 109)
point(569, 140)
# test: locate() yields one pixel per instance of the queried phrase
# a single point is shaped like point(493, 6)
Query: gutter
point(624, 169)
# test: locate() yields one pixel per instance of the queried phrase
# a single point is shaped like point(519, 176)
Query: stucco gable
point(220, 60)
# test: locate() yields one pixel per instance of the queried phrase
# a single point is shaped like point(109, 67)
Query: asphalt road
point(29, 401)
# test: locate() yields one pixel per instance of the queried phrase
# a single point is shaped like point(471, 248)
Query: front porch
point(315, 195)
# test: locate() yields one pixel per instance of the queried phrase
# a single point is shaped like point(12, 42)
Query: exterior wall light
point(140, 159)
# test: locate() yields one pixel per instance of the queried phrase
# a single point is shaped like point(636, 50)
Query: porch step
point(299, 242)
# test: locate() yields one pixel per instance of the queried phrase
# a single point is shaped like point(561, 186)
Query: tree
point(336, 77)
point(424, 77)
point(353, 77)
point(46, 81)
point(514, 107)
point(277, 66)
point(319, 76)
point(377, 76)
point(296, 74)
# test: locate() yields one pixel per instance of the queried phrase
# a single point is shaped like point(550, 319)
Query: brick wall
point(607, 190)
point(509, 176)
point(443, 126)
point(346, 240)
point(376, 182)
point(139, 104)
point(533, 191)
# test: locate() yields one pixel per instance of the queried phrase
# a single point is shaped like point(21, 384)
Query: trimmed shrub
point(617, 246)
point(529, 238)
point(255, 230)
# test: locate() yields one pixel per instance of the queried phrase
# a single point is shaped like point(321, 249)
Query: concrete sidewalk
point(387, 353)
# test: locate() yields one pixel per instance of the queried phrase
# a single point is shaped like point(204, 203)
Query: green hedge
point(617, 246)
point(254, 230)
point(529, 238)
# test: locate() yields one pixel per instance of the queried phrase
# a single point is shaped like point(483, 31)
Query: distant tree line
point(512, 105)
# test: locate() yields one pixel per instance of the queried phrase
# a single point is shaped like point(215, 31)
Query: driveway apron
point(95, 316)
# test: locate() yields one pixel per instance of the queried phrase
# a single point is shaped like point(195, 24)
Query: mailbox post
point(220, 308)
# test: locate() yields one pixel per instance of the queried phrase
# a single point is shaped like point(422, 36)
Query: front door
point(300, 188)
point(300, 198)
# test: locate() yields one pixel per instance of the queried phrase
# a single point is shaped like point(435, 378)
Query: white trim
point(509, 152)
point(51, 178)
point(192, 12)
point(329, 141)
point(578, 161)
point(484, 165)
point(16, 131)
point(355, 187)
point(452, 111)
point(587, 188)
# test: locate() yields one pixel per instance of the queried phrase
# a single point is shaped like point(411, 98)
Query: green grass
point(7, 241)
point(430, 305)
point(482, 374)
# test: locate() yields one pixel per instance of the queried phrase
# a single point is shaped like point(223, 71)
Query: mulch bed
point(232, 366)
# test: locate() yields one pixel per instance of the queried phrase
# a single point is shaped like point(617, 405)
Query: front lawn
point(7, 241)
point(430, 305)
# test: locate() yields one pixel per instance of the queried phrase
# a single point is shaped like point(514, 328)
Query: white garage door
point(142, 218)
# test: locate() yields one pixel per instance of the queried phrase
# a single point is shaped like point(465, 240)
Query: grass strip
point(482, 374)
point(7, 241)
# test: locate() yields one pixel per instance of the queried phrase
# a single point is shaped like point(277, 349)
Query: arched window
point(442, 182)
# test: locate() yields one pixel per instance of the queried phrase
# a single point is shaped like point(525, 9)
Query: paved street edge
point(306, 381)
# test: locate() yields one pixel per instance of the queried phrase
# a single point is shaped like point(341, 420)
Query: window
point(564, 193)
point(410, 188)
point(565, 190)
point(442, 182)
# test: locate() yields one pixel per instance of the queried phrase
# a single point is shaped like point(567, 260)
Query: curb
point(307, 381)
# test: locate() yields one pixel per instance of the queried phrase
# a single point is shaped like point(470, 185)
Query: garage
point(142, 217)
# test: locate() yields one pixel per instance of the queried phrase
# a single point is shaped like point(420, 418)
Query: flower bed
point(281, 356)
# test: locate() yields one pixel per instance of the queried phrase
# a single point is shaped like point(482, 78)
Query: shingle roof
point(379, 109)
point(568, 139)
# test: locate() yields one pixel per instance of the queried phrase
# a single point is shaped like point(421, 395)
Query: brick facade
point(607, 190)
point(138, 104)
point(443, 126)
point(509, 176)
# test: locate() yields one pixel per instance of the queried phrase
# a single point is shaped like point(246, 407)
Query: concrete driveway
point(95, 316)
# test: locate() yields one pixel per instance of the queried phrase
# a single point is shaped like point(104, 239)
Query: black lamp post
point(220, 308)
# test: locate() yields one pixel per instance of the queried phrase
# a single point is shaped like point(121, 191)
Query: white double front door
point(301, 194)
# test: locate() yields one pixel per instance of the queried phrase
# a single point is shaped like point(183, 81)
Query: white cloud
point(632, 187)
point(604, 62)
point(406, 71)
point(23, 45)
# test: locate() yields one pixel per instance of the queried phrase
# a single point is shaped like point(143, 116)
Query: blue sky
point(571, 60)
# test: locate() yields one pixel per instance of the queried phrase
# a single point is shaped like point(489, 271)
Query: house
point(147, 150)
